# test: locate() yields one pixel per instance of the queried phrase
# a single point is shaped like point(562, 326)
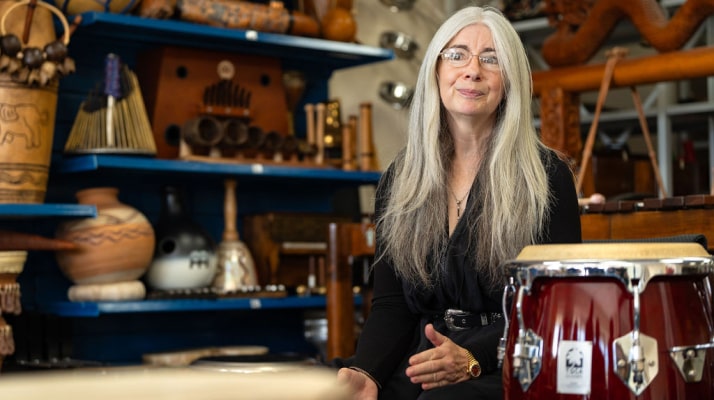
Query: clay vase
point(339, 24)
point(116, 246)
point(318, 8)
point(11, 265)
point(185, 255)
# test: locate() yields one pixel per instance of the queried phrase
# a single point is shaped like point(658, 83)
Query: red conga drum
point(610, 321)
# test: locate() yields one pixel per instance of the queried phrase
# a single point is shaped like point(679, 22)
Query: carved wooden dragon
point(583, 25)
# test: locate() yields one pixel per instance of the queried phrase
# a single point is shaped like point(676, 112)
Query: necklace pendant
point(458, 210)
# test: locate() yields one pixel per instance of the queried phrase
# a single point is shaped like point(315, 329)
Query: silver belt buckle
point(452, 315)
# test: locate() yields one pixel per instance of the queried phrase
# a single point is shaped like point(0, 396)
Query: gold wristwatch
point(473, 368)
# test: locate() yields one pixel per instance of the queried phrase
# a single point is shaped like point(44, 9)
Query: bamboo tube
point(366, 158)
point(320, 133)
point(347, 148)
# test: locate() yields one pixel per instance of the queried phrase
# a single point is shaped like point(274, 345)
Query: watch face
point(475, 370)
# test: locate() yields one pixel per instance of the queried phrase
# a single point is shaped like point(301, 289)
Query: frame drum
point(610, 321)
point(142, 383)
point(255, 364)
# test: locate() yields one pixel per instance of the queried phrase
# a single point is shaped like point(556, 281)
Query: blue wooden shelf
point(89, 163)
point(149, 325)
point(95, 309)
point(130, 28)
point(24, 211)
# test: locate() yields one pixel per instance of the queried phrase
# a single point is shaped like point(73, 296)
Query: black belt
point(459, 320)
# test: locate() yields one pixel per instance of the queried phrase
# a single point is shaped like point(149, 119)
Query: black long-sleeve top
point(399, 312)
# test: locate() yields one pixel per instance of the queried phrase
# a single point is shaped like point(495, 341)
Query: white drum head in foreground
point(171, 384)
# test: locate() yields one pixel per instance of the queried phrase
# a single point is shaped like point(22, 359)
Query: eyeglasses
point(458, 57)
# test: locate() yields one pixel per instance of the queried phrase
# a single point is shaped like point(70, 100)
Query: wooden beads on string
point(32, 65)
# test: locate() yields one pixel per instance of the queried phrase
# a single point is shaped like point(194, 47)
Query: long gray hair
point(514, 186)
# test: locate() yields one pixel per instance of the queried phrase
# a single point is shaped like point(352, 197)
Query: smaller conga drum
point(610, 321)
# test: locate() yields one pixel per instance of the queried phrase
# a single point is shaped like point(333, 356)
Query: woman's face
point(473, 90)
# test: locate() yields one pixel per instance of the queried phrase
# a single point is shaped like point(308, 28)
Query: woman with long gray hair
point(472, 187)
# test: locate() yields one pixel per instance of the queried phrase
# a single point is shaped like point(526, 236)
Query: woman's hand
point(443, 365)
point(363, 388)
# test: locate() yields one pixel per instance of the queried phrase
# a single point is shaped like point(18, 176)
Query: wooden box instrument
point(289, 248)
point(180, 85)
point(650, 218)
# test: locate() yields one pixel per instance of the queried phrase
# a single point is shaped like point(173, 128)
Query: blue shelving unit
point(128, 164)
point(329, 54)
point(95, 328)
point(95, 309)
point(24, 211)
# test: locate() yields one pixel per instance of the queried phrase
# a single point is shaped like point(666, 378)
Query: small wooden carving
point(234, 14)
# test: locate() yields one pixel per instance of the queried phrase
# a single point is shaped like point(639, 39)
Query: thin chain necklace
point(458, 202)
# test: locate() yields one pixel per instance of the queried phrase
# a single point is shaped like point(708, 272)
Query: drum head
point(251, 364)
point(611, 251)
point(183, 358)
point(172, 384)
point(632, 263)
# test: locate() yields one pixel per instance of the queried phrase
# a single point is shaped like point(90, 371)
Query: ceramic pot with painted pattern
point(116, 246)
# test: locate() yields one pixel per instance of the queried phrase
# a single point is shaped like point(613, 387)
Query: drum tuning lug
point(527, 358)
point(636, 360)
point(690, 360)
point(501, 351)
point(503, 342)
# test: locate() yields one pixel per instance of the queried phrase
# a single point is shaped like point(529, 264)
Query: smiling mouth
point(471, 93)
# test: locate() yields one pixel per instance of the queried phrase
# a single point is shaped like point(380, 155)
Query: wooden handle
point(13, 241)
point(230, 211)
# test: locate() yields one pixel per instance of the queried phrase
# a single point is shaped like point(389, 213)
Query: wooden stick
point(310, 121)
point(614, 56)
point(28, 20)
point(648, 140)
point(13, 241)
point(320, 130)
